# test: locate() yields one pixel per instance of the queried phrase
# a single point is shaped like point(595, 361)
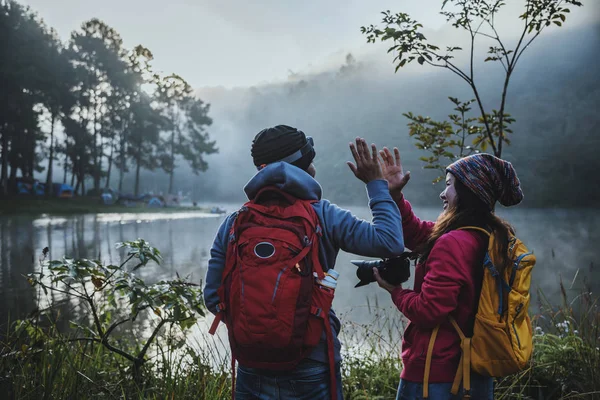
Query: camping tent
point(63, 190)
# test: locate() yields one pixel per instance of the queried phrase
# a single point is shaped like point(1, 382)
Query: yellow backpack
point(502, 340)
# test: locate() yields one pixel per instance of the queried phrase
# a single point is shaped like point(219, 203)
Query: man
point(283, 156)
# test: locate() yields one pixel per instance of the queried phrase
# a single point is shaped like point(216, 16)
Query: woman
point(449, 271)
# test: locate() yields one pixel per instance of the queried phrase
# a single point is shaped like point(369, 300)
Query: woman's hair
point(470, 211)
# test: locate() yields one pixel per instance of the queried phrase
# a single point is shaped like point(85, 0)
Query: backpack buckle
point(306, 241)
point(316, 311)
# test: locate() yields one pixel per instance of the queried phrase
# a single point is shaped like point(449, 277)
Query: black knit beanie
point(281, 142)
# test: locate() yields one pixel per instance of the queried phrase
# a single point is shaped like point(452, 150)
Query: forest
point(88, 111)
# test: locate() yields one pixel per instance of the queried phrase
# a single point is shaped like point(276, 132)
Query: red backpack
point(274, 310)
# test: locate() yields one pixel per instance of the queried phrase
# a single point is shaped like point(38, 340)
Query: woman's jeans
point(482, 388)
point(309, 381)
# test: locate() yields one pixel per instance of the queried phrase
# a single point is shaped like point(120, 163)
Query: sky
point(234, 43)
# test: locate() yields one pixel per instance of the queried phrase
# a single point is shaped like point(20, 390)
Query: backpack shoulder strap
point(463, 373)
point(475, 228)
point(428, 362)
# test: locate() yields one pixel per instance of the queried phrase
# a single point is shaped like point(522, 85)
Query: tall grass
point(371, 354)
point(39, 362)
point(566, 358)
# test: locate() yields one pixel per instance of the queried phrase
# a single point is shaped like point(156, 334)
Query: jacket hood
point(286, 177)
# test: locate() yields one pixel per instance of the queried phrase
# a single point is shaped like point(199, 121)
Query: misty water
point(564, 241)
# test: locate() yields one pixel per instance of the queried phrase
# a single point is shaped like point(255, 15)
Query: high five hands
point(370, 167)
point(367, 167)
point(392, 170)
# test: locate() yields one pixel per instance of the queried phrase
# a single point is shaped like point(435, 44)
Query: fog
point(554, 96)
point(241, 43)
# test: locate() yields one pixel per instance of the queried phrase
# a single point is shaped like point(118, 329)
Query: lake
point(564, 241)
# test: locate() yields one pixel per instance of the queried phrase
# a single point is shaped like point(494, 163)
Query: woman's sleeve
point(415, 231)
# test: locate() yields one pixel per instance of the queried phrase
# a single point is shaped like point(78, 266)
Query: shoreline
point(27, 206)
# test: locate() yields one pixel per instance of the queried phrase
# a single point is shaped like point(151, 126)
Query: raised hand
point(368, 166)
point(391, 168)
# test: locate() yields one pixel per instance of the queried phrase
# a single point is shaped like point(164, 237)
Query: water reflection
point(16, 257)
point(182, 238)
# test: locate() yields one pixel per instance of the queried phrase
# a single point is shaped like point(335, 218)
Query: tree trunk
point(112, 148)
point(66, 164)
point(76, 185)
point(95, 149)
point(13, 156)
point(30, 161)
point(121, 175)
point(82, 184)
point(81, 176)
point(75, 171)
point(4, 173)
point(13, 173)
point(172, 172)
point(51, 158)
point(73, 174)
point(123, 156)
point(137, 178)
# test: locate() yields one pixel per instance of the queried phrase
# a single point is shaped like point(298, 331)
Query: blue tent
point(63, 190)
point(156, 202)
point(39, 189)
point(24, 188)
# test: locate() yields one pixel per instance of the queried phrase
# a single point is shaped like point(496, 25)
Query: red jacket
point(448, 283)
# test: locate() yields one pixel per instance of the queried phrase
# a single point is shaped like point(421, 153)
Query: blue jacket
point(341, 230)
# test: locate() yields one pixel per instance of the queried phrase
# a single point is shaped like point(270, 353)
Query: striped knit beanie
point(490, 178)
point(282, 143)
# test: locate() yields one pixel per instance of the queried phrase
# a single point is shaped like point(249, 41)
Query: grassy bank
point(41, 363)
point(80, 205)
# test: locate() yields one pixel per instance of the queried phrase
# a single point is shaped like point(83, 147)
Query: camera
point(394, 270)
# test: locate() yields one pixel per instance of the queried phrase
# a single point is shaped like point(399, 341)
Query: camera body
point(394, 270)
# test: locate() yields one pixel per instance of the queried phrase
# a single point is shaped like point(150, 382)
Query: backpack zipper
point(517, 311)
point(516, 264)
point(277, 284)
point(516, 334)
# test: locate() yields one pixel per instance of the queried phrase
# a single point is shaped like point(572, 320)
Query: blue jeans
point(309, 381)
point(482, 388)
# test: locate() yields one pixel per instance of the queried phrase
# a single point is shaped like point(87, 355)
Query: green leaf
point(421, 60)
